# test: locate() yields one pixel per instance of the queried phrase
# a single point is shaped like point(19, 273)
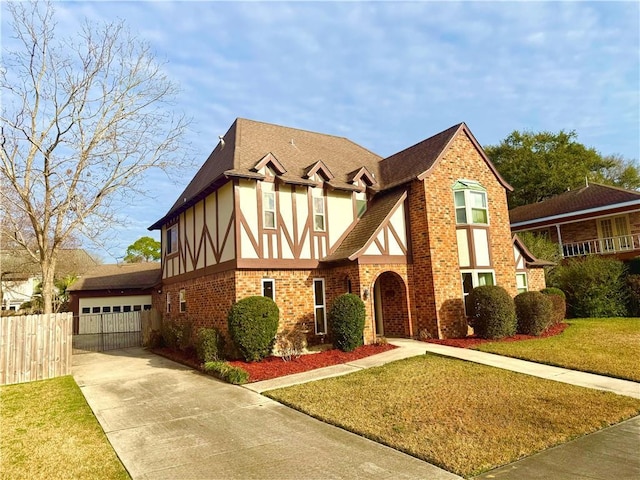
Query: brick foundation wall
point(294, 293)
point(209, 299)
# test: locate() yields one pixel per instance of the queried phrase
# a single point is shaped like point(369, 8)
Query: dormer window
point(269, 166)
point(471, 203)
point(318, 172)
point(362, 178)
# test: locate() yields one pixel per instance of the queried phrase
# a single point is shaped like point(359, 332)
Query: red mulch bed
point(274, 367)
point(469, 342)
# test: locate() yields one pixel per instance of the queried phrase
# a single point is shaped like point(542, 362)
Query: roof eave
point(552, 219)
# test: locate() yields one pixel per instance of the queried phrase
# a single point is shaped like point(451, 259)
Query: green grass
point(464, 417)
point(49, 431)
point(607, 346)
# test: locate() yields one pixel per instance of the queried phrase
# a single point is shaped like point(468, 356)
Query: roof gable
point(318, 168)
point(417, 161)
point(368, 226)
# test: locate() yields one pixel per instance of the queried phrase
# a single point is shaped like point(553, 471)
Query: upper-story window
point(318, 214)
point(269, 209)
point(471, 203)
point(172, 239)
point(361, 203)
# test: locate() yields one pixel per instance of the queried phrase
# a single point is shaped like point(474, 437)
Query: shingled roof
point(125, 276)
point(295, 153)
point(417, 160)
point(248, 141)
point(367, 227)
point(594, 198)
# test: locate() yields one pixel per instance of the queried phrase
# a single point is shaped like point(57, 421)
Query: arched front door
point(390, 306)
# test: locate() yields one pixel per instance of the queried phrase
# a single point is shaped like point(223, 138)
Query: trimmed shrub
point(595, 287)
point(208, 345)
point(493, 313)
point(553, 291)
point(534, 312)
point(226, 372)
point(253, 324)
point(558, 300)
point(170, 333)
point(633, 289)
point(347, 317)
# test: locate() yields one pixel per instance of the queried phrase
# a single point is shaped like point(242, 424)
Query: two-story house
point(303, 217)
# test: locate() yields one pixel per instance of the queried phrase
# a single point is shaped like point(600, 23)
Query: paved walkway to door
point(166, 421)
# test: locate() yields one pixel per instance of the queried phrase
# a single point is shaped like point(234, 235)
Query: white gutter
point(573, 214)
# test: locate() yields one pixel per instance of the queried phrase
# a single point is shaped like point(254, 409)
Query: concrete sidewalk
point(411, 348)
point(167, 421)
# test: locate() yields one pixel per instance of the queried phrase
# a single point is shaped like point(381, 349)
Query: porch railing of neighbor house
point(602, 246)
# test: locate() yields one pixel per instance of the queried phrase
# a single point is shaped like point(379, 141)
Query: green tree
point(145, 249)
point(541, 165)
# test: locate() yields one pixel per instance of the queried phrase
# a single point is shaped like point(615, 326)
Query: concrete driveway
point(167, 421)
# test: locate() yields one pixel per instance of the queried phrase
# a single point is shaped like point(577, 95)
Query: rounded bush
point(347, 317)
point(553, 291)
point(559, 302)
point(493, 313)
point(253, 324)
point(208, 345)
point(534, 312)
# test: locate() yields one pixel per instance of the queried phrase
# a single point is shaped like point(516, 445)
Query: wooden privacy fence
point(35, 347)
point(109, 323)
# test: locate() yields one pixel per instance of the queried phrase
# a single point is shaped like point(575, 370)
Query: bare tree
point(82, 120)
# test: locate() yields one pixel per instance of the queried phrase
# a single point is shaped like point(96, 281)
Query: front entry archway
point(390, 308)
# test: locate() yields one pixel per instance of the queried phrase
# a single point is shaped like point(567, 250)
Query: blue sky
point(386, 74)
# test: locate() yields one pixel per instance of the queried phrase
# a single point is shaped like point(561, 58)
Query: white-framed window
point(475, 278)
point(95, 310)
point(183, 300)
point(172, 239)
point(470, 200)
point(168, 302)
point(117, 309)
point(106, 309)
point(318, 214)
point(269, 288)
point(126, 308)
point(86, 310)
point(521, 282)
point(319, 310)
point(269, 209)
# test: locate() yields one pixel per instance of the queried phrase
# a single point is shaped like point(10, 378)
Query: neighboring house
point(303, 217)
point(20, 275)
point(126, 287)
point(594, 219)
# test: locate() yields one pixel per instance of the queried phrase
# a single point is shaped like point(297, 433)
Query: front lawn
point(464, 417)
point(607, 346)
point(49, 431)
